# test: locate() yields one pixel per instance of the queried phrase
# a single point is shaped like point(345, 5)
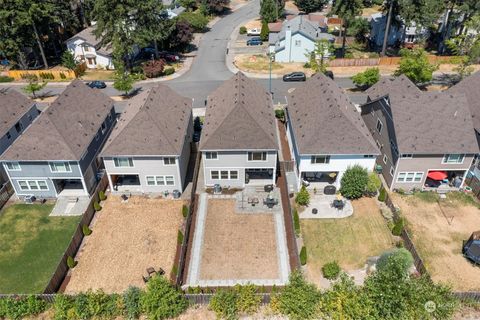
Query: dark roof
point(324, 121)
point(13, 105)
point(426, 122)
point(239, 116)
point(154, 123)
point(65, 129)
point(470, 86)
point(89, 37)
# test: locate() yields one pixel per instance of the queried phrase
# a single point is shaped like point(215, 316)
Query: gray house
point(426, 139)
point(149, 149)
point(57, 154)
point(239, 141)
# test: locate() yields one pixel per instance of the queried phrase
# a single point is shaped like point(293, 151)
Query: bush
point(153, 68)
point(367, 78)
point(102, 196)
point(97, 206)
point(307, 65)
point(224, 304)
point(398, 227)
point(63, 307)
point(247, 299)
point(180, 237)
point(19, 308)
point(242, 30)
point(373, 184)
point(383, 195)
point(185, 211)
point(303, 256)
point(80, 69)
point(296, 222)
point(402, 258)
point(264, 31)
point(280, 114)
point(71, 263)
point(86, 230)
point(168, 71)
point(331, 270)
point(161, 300)
point(415, 65)
point(63, 76)
point(6, 79)
point(101, 305)
point(303, 197)
point(196, 20)
point(131, 301)
point(354, 182)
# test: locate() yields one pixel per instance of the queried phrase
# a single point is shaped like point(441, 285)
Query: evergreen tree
point(264, 32)
point(309, 6)
point(268, 11)
point(347, 10)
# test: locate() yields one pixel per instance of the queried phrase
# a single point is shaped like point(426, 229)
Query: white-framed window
point(257, 156)
point(169, 180)
point(150, 180)
point(160, 180)
point(320, 159)
point(387, 102)
point(32, 185)
point(60, 167)
point(211, 155)
point(385, 158)
point(233, 175)
point(168, 161)
point(123, 162)
point(392, 171)
point(214, 174)
point(13, 166)
point(379, 126)
point(409, 177)
point(453, 158)
point(407, 156)
point(224, 174)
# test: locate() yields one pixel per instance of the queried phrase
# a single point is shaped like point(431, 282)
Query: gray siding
point(41, 169)
point(50, 193)
point(25, 122)
point(185, 156)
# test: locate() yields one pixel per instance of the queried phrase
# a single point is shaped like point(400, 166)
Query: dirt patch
point(238, 246)
point(127, 238)
point(291, 7)
point(256, 23)
point(438, 230)
point(260, 64)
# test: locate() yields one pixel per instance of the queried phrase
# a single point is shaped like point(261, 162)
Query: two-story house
point(326, 134)
point(86, 47)
point(16, 113)
point(239, 140)
point(426, 139)
point(57, 154)
point(149, 149)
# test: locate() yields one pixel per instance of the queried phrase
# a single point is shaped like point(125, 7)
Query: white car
point(253, 32)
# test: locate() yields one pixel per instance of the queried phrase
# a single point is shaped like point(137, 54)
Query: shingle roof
point(65, 129)
point(154, 123)
point(89, 37)
point(13, 105)
point(471, 88)
point(304, 26)
point(324, 121)
point(427, 122)
point(239, 116)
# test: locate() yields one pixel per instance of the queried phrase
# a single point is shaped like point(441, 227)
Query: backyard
point(127, 238)
point(438, 227)
point(31, 245)
point(349, 241)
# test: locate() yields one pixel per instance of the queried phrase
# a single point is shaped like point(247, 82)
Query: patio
point(325, 210)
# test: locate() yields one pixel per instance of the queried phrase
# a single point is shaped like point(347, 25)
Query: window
point(385, 159)
point(169, 180)
point(13, 166)
point(391, 171)
point(123, 162)
point(211, 155)
point(257, 156)
point(407, 156)
point(453, 158)
point(23, 185)
point(169, 161)
point(160, 180)
point(42, 185)
point(233, 175)
point(32, 185)
point(379, 126)
point(320, 159)
point(410, 38)
point(298, 43)
point(387, 102)
point(224, 175)
point(214, 175)
point(104, 127)
point(409, 176)
point(368, 156)
point(150, 180)
point(60, 167)
point(18, 127)
point(8, 135)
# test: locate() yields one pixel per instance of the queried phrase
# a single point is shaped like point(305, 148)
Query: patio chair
point(145, 279)
point(160, 272)
point(150, 271)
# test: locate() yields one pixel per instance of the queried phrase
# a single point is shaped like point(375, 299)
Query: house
point(326, 134)
point(239, 140)
point(296, 40)
point(57, 154)
point(174, 9)
point(85, 47)
point(17, 113)
point(426, 139)
point(149, 149)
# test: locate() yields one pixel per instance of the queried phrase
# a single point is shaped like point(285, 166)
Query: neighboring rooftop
point(65, 129)
point(13, 105)
point(89, 37)
point(154, 123)
point(300, 24)
point(324, 121)
point(239, 116)
point(470, 86)
point(426, 122)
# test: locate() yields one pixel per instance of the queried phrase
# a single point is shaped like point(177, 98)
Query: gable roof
point(13, 105)
point(89, 37)
point(154, 123)
point(239, 116)
point(65, 129)
point(301, 24)
point(324, 121)
point(426, 122)
point(470, 86)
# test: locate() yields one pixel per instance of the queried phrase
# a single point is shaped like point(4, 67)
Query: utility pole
point(387, 29)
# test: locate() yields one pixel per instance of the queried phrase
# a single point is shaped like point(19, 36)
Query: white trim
point(5, 165)
point(215, 152)
point(456, 154)
point(163, 178)
point(381, 126)
point(169, 164)
point(128, 159)
point(415, 173)
point(385, 159)
point(36, 183)
point(262, 152)
point(64, 162)
point(229, 174)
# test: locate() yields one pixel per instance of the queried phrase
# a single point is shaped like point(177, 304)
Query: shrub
point(280, 114)
point(180, 237)
point(242, 30)
point(102, 196)
point(62, 307)
point(71, 263)
point(402, 258)
point(398, 227)
point(97, 206)
point(383, 195)
point(374, 183)
point(296, 222)
point(303, 197)
point(303, 256)
point(161, 300)
point(80, 69)
point(367, 78)
point(264, 31)
point(6, 79)
point(331, 270)
point(168, 71)
point(197, 20)
point(98, 304)
point(153, 68)
point(415, 65)
point(307, 65)
point(131, 301)
point(354, 182)
point(63, 76)
point(247, 299)
point(185, 211)
point(86, 230)
point(224, 304)
point(19, 308)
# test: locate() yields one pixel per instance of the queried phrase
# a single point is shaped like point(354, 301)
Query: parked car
point(295, 76)
point(169, 57)
point(254, 42)
point(97, 84)
point(253, 32)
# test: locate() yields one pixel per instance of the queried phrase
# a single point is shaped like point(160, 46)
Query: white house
point(326, 134)
point(296, 39)
point(85, 47)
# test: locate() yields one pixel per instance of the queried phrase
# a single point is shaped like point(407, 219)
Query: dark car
point(254, 42)
point(295, 76)
point(97, 84)
point(169, 57)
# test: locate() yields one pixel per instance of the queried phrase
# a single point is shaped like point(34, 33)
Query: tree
point(154, 68)
point(224, 304)
point(401, 256)
point(68, 60)
point(367, 78)
point(347, 10)
point(264, 32)
point(195, 19)
point(323, 50)
point(181, 35)
point(123, 81)
point(359, 28)
point(216, 6)
point(354, 182)
point(268, 11)
point(34, 86)
point(161, 300)
point(309, 6)
point(303, 197)
point(415, 65)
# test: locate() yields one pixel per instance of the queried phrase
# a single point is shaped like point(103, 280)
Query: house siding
point(293, 53)
point(186, 151)
point(102, 62)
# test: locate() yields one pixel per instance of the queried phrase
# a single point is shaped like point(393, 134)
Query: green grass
point(427, 196)
point(462, 198)
point(31, 245)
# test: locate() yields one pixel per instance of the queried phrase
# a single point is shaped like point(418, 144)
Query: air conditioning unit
point(29, 199)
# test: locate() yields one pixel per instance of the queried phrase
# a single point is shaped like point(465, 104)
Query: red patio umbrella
point(437, 175)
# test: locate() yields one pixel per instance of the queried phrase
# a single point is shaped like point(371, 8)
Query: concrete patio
point(323, 203)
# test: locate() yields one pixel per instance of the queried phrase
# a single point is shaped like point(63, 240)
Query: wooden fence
point(59, 275)
point(6, 192)
point(474, 183)
point(42, 74)
point(387, 61)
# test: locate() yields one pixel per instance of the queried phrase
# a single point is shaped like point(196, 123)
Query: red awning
point(437, 175)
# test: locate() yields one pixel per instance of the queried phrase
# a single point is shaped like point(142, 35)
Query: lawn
point(349, 241)
point(31, 245)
